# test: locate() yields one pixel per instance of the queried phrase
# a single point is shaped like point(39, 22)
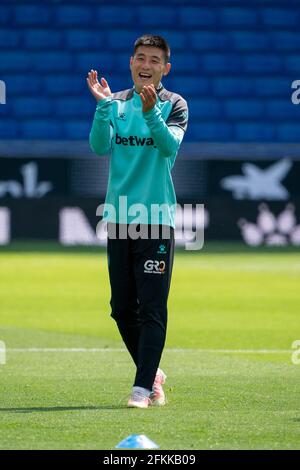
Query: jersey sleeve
point(167, 138)
point(100, 137)
point(179, 114)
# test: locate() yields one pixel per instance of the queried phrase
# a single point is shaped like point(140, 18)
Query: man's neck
point(157, 88)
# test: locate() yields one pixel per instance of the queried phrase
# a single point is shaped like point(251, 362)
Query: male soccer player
point(142, 128)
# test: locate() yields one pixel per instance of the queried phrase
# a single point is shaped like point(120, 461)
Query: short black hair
point(154, 41)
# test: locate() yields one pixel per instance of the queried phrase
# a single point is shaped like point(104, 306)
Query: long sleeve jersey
point(143, 150)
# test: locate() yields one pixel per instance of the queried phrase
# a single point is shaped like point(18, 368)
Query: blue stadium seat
point(163, 16)
point(9, 38)
point(52, 61)
point(185, 63)
point(95, 60)
point(244, 109)
point(197, 16)
point(288, 132)
point(250, 40)
point(75, 107)
point(204, 108)
point(41, 129)
point(77, 129)
point(216, 63)
point(187, 85)
point(258, 131)
point(21, 84)
point(286, 41)
point(208, 40)
point(64, 84)
point(283, 108)
point(292, 63)
point(78, 39)
point(118, 39)
point(122, 61)
point(17, 61)
point(238, 16)
point(211, 131)
point(5, 14)
point(233, 86)
point(33, 106)
point(115, 15)
point(74, 15)
point(8, 129)
point(26, 15)
point(42, 38)
point(280, 16)
point(261, 63)
point(271, 86)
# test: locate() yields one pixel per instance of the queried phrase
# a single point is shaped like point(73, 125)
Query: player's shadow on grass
point(63, 408)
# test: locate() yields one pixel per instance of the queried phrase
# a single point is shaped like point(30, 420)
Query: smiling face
point(148, 66)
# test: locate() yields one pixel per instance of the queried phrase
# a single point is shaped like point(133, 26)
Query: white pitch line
point(96, 350)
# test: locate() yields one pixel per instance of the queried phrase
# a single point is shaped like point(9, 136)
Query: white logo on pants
point(154, 267)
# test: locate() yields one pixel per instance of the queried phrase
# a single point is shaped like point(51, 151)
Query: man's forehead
point(150, 51)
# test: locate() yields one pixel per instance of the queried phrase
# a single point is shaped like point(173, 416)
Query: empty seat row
point(60, 14)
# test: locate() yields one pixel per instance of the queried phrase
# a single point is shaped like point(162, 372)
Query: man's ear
point(131, 59)
point(167, 68)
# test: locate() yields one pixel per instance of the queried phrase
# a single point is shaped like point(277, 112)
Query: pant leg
point(153, 270)
point(124, 303)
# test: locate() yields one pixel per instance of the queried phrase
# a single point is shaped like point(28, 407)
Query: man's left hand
point(148, 97)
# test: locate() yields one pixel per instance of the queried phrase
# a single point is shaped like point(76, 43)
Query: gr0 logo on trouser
point(140, 275)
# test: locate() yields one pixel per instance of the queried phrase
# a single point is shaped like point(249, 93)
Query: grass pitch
point(233, 315)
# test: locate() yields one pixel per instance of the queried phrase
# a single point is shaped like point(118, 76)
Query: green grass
point(226, 297)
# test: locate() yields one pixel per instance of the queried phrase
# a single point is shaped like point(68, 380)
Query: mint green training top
point(143, 150)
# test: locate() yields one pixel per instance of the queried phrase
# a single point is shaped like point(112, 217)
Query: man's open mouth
point(144, 75)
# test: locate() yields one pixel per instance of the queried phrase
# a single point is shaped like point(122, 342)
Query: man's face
point(148, 66)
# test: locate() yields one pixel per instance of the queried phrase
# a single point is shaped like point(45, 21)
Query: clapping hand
point(99, 91)
point(148, 97)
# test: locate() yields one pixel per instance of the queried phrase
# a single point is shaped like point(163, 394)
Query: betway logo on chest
point(134, 141)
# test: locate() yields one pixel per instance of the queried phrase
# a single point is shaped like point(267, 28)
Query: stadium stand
point(233, 64)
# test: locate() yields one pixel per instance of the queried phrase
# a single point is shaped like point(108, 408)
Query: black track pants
point(140, 275)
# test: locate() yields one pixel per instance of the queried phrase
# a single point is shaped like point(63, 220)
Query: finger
point(146, 93)
point(152, 93)
point(152, 88)
point(143, 97)
point(90, 81)
point(89, 84)
point(95, 77)
point(91, 77)
point(104, 82)
point(150, 98)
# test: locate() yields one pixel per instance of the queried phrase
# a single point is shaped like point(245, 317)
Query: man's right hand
point(99, 91)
